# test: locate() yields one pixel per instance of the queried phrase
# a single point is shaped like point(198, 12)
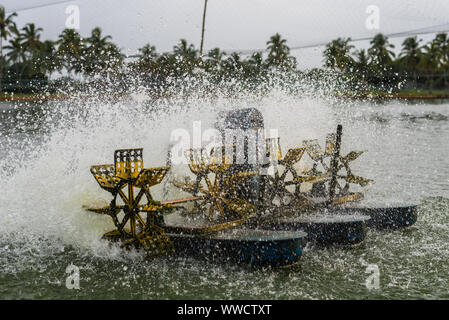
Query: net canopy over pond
point(304, 23)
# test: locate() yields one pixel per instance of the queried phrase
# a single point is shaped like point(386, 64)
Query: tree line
point(25, 60)
point(422, 66)
point(24, 57)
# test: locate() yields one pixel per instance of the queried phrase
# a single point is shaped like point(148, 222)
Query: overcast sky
point(237, 24)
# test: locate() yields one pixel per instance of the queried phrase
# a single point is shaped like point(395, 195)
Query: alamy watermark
point(373, 280)
point(73, 17)
point(73, 279)
point(236, 146)
point(372, 22)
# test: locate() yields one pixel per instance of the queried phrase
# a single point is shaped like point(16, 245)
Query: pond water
point(46, 150)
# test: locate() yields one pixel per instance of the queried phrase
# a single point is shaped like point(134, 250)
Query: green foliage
point(70, 51)
point(337, 55)
point(378, 68)
point(278, 54)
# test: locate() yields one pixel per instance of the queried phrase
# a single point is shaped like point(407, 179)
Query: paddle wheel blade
point(351, 156)
point(358, 180)
point(313, 149)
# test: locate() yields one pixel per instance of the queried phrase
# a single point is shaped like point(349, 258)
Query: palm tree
point(47, 58)
point(216, 54)
point(186, 56)
point(16, 53)
point(31, 38)
point(213, 60)
point(232, 66)
point(278, 53)
point(166, 65)
point(254, 66)
point(442, 41)
point(3, 68)
point(380, 52)
point(70, 50)
point(337, 55)
point(97, 41)
point(101, 55)
point(183, 49)
point(113, 59)
point(256, 60)
point(148, 51)
point(147, 59)
point(32, 47)
point(7, 27)
point(16, 57)
point(431, 60)
point(362, 65)
point(410, 56)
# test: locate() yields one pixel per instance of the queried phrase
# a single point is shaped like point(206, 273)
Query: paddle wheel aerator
point(136, 216)
point(229, 203)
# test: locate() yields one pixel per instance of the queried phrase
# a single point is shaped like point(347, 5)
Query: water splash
point(47, 150)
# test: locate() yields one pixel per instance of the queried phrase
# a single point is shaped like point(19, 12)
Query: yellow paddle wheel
point(332, 171)
point(330, 176)
point(216, 186)
point(222, 187)
point(138, 218)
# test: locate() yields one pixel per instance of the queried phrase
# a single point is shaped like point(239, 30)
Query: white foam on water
point(45, 185)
